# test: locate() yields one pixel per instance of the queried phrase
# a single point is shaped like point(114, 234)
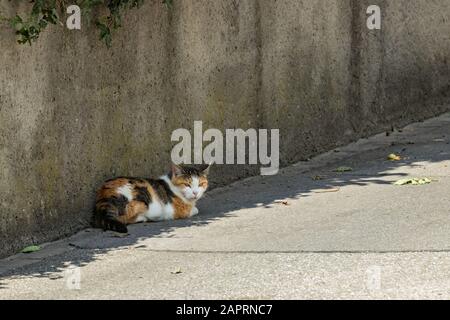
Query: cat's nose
point(195, 193)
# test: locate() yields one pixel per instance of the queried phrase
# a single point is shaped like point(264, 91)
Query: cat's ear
point(205, 168)
point(177, 170)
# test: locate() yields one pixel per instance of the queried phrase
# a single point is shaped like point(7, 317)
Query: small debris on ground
point(119, 235)
point(343, 169)
point(316, 178)
point(327, 190)
point(75, 246)
point(31, 249)
point(176, 271)
point(413, 181)
point(285, 202)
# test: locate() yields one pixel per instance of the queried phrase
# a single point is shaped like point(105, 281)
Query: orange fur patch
point(182, 209)
point(203, 182)
point(134, 209)
point(109, 189)
point(181, 180)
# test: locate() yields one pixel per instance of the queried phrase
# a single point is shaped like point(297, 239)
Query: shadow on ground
point(302, 180)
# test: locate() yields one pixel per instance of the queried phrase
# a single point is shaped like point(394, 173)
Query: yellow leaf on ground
point(413, 181)
point(394, 157)
point(327, 190)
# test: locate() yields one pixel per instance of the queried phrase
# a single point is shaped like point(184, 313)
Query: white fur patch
point(141, 218)
point(195, 192)
point(194, 211)
point(159, 212)
point(168, 211)
point(154, 212)
point(126, 191)
point(195, 182)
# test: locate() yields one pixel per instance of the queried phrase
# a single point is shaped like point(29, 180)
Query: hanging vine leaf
point(168, 3)
point(45, 12)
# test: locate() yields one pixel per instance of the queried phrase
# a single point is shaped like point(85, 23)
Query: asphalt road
point(306, 233)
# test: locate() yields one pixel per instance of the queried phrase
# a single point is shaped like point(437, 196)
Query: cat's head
point(192, 182)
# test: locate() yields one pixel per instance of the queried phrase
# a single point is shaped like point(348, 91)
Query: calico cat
point(122, 201)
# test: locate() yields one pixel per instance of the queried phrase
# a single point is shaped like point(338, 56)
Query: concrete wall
point(73, 113)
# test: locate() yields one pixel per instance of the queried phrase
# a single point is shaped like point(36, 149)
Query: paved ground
point(345, 235)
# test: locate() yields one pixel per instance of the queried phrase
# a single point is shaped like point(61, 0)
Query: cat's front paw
point(194, 211)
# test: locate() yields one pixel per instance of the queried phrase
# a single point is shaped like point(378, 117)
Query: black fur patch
point(162, 190)
point(135, 180)
point(116, 203)
point(189, 171)
point(130, 179)
point(143, 195)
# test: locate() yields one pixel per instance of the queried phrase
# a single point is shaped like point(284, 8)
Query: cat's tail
point(106, 218)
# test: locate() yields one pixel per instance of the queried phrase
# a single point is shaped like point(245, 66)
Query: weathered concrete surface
point(369, 239)
point(73, 113)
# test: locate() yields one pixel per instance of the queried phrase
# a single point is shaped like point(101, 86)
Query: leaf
point(327, 190)
point(402, 182)
point(413, 181)
point(31, 249)
point(285, 202)
point(55, 276)
point(120, 235)
point(168, 3)
point(316, 178)
point(394, 157)
point(343, 169)
point(105, 33)
point(176, 271)
point(16, 22)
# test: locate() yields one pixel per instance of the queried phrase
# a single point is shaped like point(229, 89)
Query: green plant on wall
point(28, 27)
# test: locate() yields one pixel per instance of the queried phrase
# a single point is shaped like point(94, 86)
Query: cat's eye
point(186, 184)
